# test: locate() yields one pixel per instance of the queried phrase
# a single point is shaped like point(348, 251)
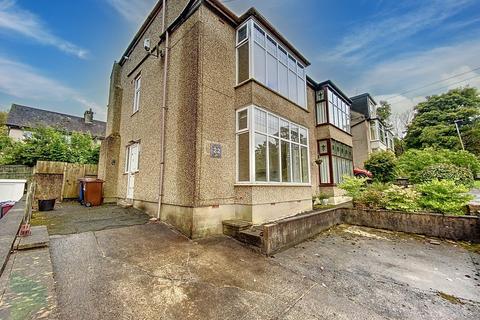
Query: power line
point(451, 84)
point(435, 82)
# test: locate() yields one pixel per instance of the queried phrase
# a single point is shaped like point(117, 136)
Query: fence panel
point(15, 172)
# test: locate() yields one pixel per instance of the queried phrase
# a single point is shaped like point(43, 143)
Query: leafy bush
point(353, 186)
point(371, 196)
point(402, 199)
point(49, 144)
point(414, 161)
point(445, 171)
point(443, 196)
point(382, 165)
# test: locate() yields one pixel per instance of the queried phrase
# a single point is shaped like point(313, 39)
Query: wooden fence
point(59, 180)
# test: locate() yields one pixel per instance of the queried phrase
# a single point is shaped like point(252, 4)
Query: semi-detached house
point(212, 117)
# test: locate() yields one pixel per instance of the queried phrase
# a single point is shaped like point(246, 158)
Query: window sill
point(271, 184)
point(273, 91)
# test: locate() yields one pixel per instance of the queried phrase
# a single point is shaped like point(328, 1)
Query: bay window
point(336, 161)
point(270, 149)
point(261, 57)
point(332, 109)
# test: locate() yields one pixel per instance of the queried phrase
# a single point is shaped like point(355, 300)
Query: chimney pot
point(88, 116)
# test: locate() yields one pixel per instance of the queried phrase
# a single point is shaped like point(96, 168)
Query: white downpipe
point(162, 129)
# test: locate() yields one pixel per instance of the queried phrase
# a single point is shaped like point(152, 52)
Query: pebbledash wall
point(200, 191)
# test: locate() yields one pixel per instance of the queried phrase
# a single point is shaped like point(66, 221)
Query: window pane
point(273, 159)
point(330, 96)
point(292, 64)
point(283, 79)
point(300, 70)
point(242, 119)
point(243, 157)
point(321, 113)
point(242, 33)
point(260, 157)
point(259, 35)
point(260, 120)
point(272, 72)
point(259, 63)
point(272, 125)
point(243, 61)
point(294, 133)
point(303, 136)
point(282, 56)
point(304, 154)
point(325, 170)
point(296, 163)
point(284, 129)
point(301, 91)
point(292, 86)
point(286, 161)
point(271, 46)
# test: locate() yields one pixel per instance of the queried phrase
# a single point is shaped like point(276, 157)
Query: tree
point(433, 124)
point(384, 112)
point(382, 165)
point(5, 140)
point(49, 144)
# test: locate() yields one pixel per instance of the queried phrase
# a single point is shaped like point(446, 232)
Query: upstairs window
point(267, 61)
point(136, 97)
point(338, 112)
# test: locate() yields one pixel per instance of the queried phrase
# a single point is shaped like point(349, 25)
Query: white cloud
point(368, 40)
point(133, 11)
point(24, 82)
point(20, 21)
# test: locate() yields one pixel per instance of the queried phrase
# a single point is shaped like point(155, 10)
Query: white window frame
point(137, 85)
point(336, 104)
point(252, 130)
point(251, 23)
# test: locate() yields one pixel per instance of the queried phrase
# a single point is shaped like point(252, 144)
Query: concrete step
point(38, 239)
point(233, 227)
point(251, 237)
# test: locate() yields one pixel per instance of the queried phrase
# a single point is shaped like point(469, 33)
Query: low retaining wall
point(9, 227)
point(288, 232)
point(457, 228)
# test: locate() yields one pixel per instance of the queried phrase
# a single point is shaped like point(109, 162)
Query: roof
point(332, 85)
point(28, 117)
point(360, 104)
point(218, 8)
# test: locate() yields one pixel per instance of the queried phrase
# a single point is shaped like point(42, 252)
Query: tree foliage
point(411, 163)
point(382, 165)
point(433, 124)
point(384, 112)
point(49, 144)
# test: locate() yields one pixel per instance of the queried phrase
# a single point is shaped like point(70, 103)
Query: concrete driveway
point(151, 272)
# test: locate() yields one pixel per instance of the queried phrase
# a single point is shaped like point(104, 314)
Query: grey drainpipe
point(166, 33)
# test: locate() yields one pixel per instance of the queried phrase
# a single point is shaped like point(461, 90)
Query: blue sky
point(57, 54)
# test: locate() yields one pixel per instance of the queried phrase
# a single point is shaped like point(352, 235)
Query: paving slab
point(27, 286)
point(151, 272)
point(39, 238)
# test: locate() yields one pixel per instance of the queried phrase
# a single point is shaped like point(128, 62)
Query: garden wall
point(15, 172)
point(288, 232)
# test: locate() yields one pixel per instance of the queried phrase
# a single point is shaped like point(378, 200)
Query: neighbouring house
point(334, 139)
point(22, 119)
point(211, 117)
point(369, 133)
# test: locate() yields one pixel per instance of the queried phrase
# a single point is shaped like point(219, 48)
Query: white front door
point(132, 168)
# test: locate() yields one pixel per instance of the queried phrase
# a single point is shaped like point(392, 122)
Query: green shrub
point(353, 186)
point(402, 199)
point(445, 171)
point(414, 161)
point(372, 196)
point(382, 165)
point(443, 196)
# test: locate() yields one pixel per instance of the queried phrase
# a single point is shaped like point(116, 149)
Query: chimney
point(88, 116)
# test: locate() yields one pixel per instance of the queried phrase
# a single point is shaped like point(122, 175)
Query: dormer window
point(262, 57)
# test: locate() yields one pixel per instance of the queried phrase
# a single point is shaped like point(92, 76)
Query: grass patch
point(450, 298)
